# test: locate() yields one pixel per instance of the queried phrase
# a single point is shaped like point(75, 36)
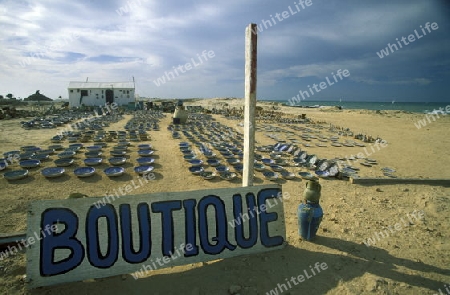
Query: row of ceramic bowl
point(117, 152)
point(208, 175)
point(93, 157)
point(278, 152)
point(230, 154)
point(223, 171)
point(100, 139)
point(34, 152)
point(196, 167)
point(53, 172)
point(275, 162)
point(66, 159)
point(65, 162)
point(148, 120)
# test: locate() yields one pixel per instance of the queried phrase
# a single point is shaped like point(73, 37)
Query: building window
point(84, 93)
point(128, 91)
point(71, 90)
point(78, 90)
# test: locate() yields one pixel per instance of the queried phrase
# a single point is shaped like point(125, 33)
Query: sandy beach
point(411, 260)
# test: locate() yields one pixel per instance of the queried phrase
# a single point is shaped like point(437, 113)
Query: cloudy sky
point(45, 44)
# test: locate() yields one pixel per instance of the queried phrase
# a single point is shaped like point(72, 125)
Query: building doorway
point(109, 94)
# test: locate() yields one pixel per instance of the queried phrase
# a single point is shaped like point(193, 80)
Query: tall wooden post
point(251, 39)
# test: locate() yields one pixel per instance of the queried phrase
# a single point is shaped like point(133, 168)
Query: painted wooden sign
point(137, 234)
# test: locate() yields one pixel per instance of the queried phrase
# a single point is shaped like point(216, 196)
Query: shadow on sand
point(260, 273)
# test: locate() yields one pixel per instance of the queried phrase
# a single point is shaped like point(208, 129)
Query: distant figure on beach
point(180, 115)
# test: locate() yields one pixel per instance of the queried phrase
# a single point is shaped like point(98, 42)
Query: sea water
point(414, 107)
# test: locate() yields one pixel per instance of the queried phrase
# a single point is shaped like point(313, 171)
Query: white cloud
point(74, 40)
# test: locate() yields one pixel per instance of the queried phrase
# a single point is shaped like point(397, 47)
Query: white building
point(100, 93)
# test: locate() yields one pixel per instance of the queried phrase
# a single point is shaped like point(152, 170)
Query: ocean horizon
point(415, 107)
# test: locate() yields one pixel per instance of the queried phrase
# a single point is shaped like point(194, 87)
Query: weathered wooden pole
point(251, 39)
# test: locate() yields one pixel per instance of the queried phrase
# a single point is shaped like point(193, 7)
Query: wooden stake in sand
point(251, 39)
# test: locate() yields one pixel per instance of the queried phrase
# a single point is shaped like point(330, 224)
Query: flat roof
point(100, 85)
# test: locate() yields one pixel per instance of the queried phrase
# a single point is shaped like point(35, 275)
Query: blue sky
point(46, 44)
